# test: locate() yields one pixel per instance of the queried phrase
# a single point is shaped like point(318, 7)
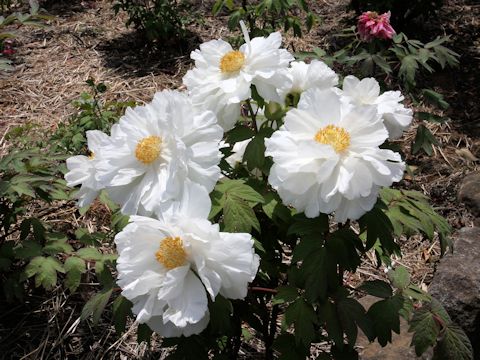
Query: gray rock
point(469, 192)
point(456, 284)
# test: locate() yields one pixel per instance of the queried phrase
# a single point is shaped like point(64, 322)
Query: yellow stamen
point(91, 155)
point(232, 62)
point(171, 253)
point(334, 136)
point(148, 149)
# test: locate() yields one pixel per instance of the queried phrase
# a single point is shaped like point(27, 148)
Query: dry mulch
point(86, 40)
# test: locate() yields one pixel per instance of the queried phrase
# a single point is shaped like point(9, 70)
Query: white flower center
point(171, 253)
point(148, 149)
point(335, 136)
point(232, 62)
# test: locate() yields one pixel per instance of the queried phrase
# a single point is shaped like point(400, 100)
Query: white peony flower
point(304, 76)
point(168, 267)
point(156, 149)
point(327, 157)
point(82, 169)
point(222, 76)
point(237, 153)
point(396, 116)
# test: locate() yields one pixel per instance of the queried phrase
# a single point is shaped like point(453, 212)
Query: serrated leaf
point(408, 69)
point(435, 98)
point(255, 151)
point(377, 288)
point(121, 308)
point(95, 306)
point(45, 271)
point(314, 271)
point(302, 315)
point(285, 294)
point(352, 315)
point(307, 226)
point(288, 348)
point(342, 248)
point(453, 345)
point(89, 254)
point(328, 314)
point(220, 315)
point(378, 226)
point(57, 243)
point(425, 329)
point(27, 249)
point(385, 318)
point(238, 216)
point(399, 277)
point(424, 140)
point(74, 267)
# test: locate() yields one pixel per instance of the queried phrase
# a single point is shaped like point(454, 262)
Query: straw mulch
point(86, 40)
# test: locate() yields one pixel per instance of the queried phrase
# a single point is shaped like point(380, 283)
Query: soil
point(87, 40)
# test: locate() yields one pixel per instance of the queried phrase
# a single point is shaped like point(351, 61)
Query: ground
point(87, 40)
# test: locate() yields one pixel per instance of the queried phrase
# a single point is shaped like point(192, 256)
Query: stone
point(456, 284)
point(469, 192)
point(399, 349)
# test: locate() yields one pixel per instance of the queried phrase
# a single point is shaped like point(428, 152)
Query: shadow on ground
point(129, 55)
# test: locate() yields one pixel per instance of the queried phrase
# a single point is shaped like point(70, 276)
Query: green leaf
point(237, 201)
point(352, 315)
point(238, 216)
point(95, 306)
point(304, 226)
point(328, 314)
point(426, 116)
point(378, 226)
point(342, 248)
point(74, 268)
point(89, 254)
point(453, 345)
point(239, 133)
point(377, 288)
point(408, 69)
point(289, 349)
point(425, 329)
point(399, 277)
point(435, 99)
point(274, 208)
point(385, 318)
point(382, 63)
point(255, 151)
point(45, 271)
point(302, 315)
point(121, 308)
point(314, 271)
point(285, 294)
point(220, 315)
point(57, 243)
point(424, 140)
point(27, 249)
point(143, 333)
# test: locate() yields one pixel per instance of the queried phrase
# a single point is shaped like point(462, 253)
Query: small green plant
point(34, 18)
point(93, 113)
point(267, 16)
point(32, 177)
point(402, 60)
point(158, 20)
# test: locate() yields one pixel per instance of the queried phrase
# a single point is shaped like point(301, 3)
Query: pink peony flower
point(372, 25)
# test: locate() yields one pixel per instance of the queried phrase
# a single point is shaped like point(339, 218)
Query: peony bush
point(251, 195)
